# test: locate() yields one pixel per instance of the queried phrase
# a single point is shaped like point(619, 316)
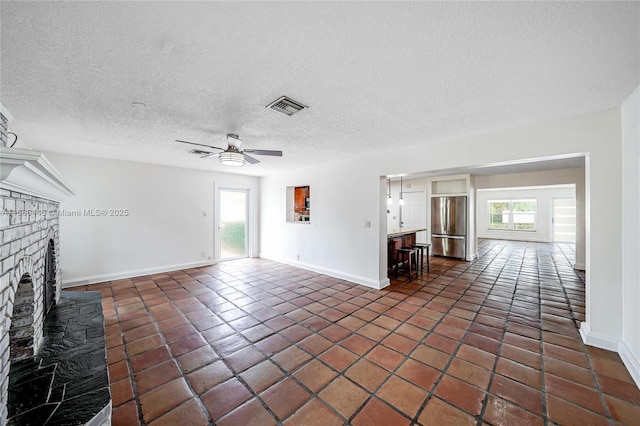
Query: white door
point(564, 220)
point(232, 241)
point(413, 214)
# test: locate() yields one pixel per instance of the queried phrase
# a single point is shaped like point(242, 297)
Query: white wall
point(164, 230)
point(630, 347)
point(335, 241)
point(351, 190)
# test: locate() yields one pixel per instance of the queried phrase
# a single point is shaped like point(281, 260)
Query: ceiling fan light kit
point(231, 158)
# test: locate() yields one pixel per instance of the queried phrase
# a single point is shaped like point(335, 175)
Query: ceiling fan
point(233, 155)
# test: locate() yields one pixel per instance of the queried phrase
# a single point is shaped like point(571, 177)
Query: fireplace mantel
point(30, 172)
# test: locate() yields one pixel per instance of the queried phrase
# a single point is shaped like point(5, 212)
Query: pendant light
point(389, 199)
point(401, 201)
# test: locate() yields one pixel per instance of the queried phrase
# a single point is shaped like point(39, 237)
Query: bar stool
point(410, 256)
point(421, 247)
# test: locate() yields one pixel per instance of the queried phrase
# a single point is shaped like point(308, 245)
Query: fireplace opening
point(49, 279)
point(21, 332)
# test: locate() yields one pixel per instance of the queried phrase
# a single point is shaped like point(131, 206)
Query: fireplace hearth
point(67, 382)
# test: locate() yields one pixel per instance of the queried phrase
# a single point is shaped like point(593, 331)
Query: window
point(498, 214)
point(519, 215)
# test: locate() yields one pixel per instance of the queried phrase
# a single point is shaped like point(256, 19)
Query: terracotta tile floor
point(254, 342)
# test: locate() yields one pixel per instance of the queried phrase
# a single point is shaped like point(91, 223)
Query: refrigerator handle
point(447, 214)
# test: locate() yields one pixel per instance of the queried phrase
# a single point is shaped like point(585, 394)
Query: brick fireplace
point(30, 271)
point(30, 286)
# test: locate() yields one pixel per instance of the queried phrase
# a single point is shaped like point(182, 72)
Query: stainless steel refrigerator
point(449, 226)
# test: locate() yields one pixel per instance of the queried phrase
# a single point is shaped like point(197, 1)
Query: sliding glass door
point(232, 228)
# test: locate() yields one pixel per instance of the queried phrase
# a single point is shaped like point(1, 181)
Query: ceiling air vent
point(199, 152)
point(286, 105)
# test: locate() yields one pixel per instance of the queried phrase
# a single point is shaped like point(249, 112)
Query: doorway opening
point(413, 214)
point(233, 216)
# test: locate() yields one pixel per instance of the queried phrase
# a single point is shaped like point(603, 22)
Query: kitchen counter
point(395, 240)
point(404, 232)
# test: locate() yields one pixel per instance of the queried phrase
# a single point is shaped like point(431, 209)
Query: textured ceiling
point(376, 75)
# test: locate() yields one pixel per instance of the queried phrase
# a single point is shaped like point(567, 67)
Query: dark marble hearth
point(67, 382)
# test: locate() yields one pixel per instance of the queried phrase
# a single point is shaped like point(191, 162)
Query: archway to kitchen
point(567, 176)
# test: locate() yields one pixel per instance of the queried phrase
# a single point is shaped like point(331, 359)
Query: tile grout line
point(286, 374)
point(431, 394)
point(173, 358)
point(543, 381)
point(359, 357)
point(480, 417)
point(183, 375)
point(407, 356)
point(592, 372)
point(401, 293)
point(130, 377)
point(222, 358)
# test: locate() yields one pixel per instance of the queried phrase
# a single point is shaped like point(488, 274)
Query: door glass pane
point(233, 224)
point(564, 220)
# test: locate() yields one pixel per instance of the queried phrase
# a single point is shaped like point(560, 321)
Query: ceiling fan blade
point(250, 159)
point(264, 152)
point(211, 155)
point(199, 144)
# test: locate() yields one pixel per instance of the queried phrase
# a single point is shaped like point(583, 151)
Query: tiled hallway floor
point(255, 342)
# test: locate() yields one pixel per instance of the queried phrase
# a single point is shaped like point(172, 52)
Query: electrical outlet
point(298, 257)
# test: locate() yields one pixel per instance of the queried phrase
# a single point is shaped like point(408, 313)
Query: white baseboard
point(630, 361)
point(580, 266)
point(332, 273)
point(598, 340)
point(131, 274)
